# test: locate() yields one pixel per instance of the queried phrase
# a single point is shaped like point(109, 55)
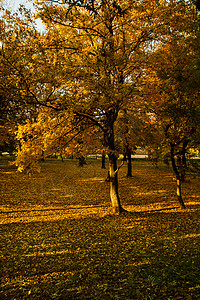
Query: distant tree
point(175, 106)
point(129, 133)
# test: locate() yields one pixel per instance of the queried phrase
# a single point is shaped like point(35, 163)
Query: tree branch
point(92, 119)
point(116, 171)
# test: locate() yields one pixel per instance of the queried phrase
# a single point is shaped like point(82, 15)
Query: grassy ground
point(59, 240)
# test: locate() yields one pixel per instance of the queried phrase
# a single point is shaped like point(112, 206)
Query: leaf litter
point(60, 241)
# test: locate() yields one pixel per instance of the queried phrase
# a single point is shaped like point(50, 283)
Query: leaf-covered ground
point(58, 239)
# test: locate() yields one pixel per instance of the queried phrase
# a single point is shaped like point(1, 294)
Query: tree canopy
point(87, 68)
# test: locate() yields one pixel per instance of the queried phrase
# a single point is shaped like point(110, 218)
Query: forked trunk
point(114, 195)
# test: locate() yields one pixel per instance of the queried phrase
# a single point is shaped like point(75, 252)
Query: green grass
point(59, 240)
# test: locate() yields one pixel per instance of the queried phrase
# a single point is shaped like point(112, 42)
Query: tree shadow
point(150, 211)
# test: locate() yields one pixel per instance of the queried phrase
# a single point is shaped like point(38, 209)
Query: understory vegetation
point(59, 239)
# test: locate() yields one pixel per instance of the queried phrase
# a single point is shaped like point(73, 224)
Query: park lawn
point(59, 240)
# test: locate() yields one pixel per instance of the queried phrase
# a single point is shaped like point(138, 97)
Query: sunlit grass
point(60, 241)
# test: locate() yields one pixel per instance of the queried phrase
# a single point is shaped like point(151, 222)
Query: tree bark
point(178, 177)
point(129, 163)
point(114, 195)
point(81, 160)
point(124, 158)
point(42, 158)
point(179, 196)
point(184, 160)
point(103, 161)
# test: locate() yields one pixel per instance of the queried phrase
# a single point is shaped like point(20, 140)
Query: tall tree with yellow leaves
point(106, 43)
point(88, 62)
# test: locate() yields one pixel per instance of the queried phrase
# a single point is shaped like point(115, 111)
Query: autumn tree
point(108, 41)
point(88, 62)
point(16, 104)
point(175, 97)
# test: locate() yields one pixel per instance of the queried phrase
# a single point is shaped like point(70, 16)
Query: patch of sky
point(14, 5)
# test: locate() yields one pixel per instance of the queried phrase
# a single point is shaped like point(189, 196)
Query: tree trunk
point(42, 158)
point(184, 160)
point(108, 177)
point(124, 158)
point(179, 196)
point(109, 143)
point(129, 163)
point(81, 160)
point(103, 161)
point(114, 195)
point(178, 177)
